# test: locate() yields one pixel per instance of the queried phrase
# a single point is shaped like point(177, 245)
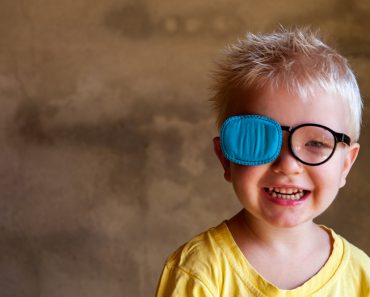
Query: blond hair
point(296, 60)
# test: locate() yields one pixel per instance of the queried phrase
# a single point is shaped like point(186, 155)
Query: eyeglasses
point(313, 144)
point(254, 140)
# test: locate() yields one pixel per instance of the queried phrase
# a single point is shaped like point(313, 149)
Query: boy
point(289, 113)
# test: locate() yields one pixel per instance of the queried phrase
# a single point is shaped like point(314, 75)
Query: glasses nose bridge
point(287, 128)
point(290, 130)
point(287, 163)
point(286, 146)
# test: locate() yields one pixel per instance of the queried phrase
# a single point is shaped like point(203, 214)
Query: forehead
point(291, 110)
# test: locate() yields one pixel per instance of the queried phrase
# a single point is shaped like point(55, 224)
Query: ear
point(350, 158)
point(225, 162)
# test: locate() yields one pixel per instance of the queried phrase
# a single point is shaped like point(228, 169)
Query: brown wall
point(105, 135)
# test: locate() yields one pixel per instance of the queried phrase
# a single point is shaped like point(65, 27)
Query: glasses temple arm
point(343, 138)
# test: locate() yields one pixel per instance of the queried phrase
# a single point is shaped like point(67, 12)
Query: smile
point(286, 193)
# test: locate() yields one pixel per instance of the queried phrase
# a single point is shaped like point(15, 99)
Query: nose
point(286, 163)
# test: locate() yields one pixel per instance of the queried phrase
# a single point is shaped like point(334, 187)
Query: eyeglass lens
point(312, 144)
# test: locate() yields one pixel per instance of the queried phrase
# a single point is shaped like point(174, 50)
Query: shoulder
point(356, 268)
point(194, 268)
point(357, 257)
point(348, 269)
point(349, 252)
point(201, 254)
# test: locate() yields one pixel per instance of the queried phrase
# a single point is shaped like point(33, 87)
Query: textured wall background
point(105, 134)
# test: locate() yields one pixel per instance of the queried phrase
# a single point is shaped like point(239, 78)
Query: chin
point(289, 222)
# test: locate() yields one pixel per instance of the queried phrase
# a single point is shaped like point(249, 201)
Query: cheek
point(327, 177)
point(246, 178)
point(239, 172)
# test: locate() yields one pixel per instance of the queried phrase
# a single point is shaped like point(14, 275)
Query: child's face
point(254, 184)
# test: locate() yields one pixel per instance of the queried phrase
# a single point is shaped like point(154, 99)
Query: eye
point(316, 144)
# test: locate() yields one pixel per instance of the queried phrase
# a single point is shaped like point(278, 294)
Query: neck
point(252, 231)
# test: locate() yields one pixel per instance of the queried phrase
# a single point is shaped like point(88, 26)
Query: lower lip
point(286, 202)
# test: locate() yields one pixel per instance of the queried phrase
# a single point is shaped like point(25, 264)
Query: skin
point(267, 232)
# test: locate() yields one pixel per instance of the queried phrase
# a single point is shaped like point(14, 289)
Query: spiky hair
point(296, 60)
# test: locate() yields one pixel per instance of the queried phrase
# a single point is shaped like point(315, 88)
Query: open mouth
point(286, 193)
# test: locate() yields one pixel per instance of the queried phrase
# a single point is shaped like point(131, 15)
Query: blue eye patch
point(251, 139)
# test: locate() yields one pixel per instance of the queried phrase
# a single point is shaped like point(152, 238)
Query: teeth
point(286, 193)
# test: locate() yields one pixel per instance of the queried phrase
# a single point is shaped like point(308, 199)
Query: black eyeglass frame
point(338, 137)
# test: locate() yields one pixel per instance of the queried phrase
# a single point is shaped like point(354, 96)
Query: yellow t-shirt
point(212, 265)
